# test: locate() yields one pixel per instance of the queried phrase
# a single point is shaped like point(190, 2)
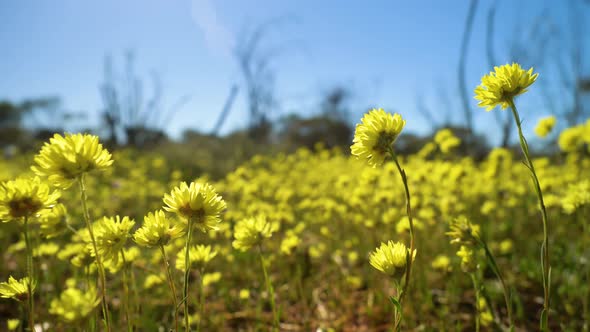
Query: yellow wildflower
point(502, 85)
point(198, 202)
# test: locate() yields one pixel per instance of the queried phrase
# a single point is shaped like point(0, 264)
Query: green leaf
point(544, 321)
point(396, 303)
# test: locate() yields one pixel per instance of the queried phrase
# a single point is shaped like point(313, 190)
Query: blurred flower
point(157, 230)
point(442, 263)
point(577, 195)
point(391, 258)
point(468, 262)
point(65, 158)
point(25, 197)
point(463, 232)
point(74, 304)
point(199, 257)
point(53, 221)
point(196, 201)
point(111, 235)
point(16, 289)
point(250, 232)
point(545, 126)
point(446, 140)
point(502, 85)
point(375, 136)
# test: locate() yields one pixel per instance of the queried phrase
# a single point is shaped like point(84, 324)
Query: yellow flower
point(375, 136)
point(244, 294)
point(16, 289)
point(111, 235)
point(65, 158)
point(468, 261)
point(199, 257)
point(502, 85)
point(446, 140)
point(74, 304)
point(577, 195)
point(12, 324)
point(441, 262)
point(25, 197)
point(391, 258)
point(571, 139)
point(545, 126)
point(157, 230)
point(198, 202)
point(250, 232)
point(463, 232)
point(52, 221)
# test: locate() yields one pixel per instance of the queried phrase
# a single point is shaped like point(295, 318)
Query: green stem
point(270, 290)
point(126, 293)
point(476, 289)
point(545, 246)
point(101, 272)
point(410, 259)
point(187, 270)
point(505, 288)
point(201, 299)
point(30, 275)
point(171, 285)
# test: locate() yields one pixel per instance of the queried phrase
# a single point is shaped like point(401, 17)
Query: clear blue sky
point(388, 52)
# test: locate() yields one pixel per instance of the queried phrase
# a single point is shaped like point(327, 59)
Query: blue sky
point(388, 52)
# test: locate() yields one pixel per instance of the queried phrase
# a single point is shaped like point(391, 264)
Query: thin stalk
point(201, 299)
point(270, 290)
point(126, 293)
point(103, 279)
point(187, 270)
point(410, 260)
point(505, 288)
point(171, 285)
point(476, 289)
point(545, 246)
point(30, 299)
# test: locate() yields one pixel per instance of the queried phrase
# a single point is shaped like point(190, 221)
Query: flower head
point(375, 136)
point(111, 235)
point(468, 260)
point(545, 126)
point(577, 195)
point(157, 229)
point(502, 85)
point(65, 158)
point(16, 289)
point(391, 258)
point(446, 140)
point(52, 221)
point(251, 231)
point(74, 304)
point(199, 256)
point(25, 197)
point(463, 232)
point(198, 202)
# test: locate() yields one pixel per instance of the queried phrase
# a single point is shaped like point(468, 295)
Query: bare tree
point(128, 116)
point(255, 56)
point(225, 110)
point(463, 63)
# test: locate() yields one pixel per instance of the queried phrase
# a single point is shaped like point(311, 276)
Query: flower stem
point(505, 288)
point(201, 299)
point(187, 270)
point(126, 292)
point(410, 259)
point(270, 290)
point(476, 289)
point(171, 285)
point(101, 272)
point(30, 275)
point(545, 246)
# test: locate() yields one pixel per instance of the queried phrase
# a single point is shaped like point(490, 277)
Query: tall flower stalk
point(97, 257)
point(201, 207)
point(499, 88)
point(373, 141)
point(171, 285)
point(251, 232)
point(30, 300)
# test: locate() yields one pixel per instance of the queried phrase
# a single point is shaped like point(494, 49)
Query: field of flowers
point(317, 240)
